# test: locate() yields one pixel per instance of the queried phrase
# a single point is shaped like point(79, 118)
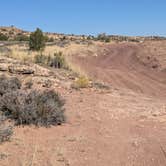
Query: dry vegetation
point(24, 107)
point(81, 82)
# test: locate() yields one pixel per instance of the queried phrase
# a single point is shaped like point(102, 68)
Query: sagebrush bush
point(8, 84)
point(6, 131)
point(33, 107)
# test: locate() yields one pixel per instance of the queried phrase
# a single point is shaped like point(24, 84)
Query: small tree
point(37, 40)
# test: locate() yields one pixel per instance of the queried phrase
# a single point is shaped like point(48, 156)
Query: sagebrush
point(43, 108)
point(6, 130)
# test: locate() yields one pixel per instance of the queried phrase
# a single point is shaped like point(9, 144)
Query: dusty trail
point(121, 67)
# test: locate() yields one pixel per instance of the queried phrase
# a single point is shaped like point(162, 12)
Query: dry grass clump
point(56, 61)
point(19, 52)
point(81, 82)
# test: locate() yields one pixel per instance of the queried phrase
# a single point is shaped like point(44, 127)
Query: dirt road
point(120, 66)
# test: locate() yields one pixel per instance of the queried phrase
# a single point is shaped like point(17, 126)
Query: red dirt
point(114, 128)
point(123, 126)
point(120, 66)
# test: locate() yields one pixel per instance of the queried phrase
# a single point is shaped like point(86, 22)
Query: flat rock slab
point(20, 69)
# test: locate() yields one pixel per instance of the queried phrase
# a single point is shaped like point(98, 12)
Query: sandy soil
point(123, 66)
point(122, 126)
point(103, 128)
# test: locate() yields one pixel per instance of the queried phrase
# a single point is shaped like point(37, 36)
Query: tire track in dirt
point(121, 67)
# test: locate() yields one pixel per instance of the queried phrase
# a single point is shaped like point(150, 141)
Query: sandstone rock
point(21, 69)
point(3, 67)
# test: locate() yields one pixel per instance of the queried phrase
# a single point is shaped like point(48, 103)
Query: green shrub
point(43, 108)
point(3, 37)
point(37, 40)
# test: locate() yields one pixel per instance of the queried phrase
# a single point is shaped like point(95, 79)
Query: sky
point(117, 17)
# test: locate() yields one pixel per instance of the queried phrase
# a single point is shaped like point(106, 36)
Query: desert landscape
point(114, 94)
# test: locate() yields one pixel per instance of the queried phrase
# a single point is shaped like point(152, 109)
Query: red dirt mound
point(121, 66)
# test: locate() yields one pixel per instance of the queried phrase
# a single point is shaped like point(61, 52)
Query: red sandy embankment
point(121, 66)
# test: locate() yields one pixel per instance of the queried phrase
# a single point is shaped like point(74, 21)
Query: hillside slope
point(124, 66)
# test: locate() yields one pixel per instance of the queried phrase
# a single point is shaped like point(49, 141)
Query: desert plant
point(8, 84)
point(103, 37)
point(81, 82)
point(107, 40)
point(6, 131)
point(51, 39)
point(3, 37)
point(21, 37)
point(43, 108)
point(40, 58)
point(37, 40)
point(57, 61)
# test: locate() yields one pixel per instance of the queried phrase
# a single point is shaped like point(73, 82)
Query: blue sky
point(125, 17)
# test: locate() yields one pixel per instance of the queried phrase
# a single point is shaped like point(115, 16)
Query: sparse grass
point(40, 58)
point(57, 60)
point(62, 58)
point(20, 53)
